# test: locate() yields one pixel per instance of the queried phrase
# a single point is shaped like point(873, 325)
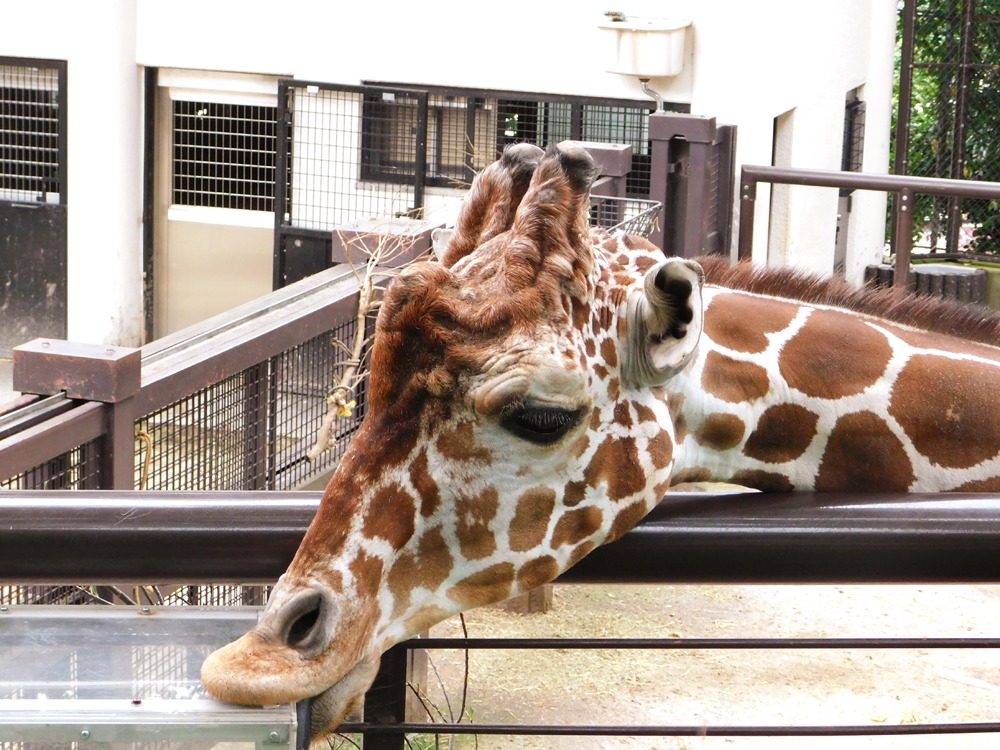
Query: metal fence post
point(691, 175)
point(91, 372)
point(904, 237)
point(385, 702)
point(748, 203)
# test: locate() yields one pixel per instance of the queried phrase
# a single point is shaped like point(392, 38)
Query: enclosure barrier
point(63, 537)
point(903, 187)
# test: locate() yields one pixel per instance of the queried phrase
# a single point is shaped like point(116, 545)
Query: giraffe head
point(513, 425)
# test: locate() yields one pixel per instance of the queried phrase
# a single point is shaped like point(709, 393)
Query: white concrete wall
point(104, 164)
point(746, 64)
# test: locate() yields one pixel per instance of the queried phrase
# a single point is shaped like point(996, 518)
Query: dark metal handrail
point(243, 537)
point(905, 187)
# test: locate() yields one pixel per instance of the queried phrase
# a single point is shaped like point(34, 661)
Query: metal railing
point(903, 187)
point(733, 539)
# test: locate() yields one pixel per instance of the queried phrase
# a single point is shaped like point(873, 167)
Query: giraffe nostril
point(302, 626)
point(307, 622)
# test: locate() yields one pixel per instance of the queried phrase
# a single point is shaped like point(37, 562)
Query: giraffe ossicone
point(515, 422)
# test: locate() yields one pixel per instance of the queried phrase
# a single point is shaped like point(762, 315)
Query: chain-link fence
point(949, 99)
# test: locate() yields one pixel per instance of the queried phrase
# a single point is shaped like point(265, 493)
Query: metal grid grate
point(209, 440)
point(78, 469)
point(43, 595)
point(304, 377)
point(30, 133)
point(629, 215)
point(465, 133)
point(333, 157)
point(224, 155)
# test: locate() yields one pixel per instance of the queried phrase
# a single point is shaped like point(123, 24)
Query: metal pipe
point(868, 181)
point(243, 537)
point(644, 83)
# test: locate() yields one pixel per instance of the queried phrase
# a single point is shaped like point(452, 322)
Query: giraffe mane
point(968, 322)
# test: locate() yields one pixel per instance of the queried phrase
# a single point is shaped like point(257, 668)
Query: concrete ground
point(860, 687)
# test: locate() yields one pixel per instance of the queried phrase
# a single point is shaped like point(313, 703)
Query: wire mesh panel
point(31, 164)
point(208, 440)
point(353, 152)
point(953, 129)
point(77, 469)
point(304, 377)
point(224, 155)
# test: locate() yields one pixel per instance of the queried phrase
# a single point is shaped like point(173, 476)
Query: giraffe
point(808, 384)
point(515, 422)
point(539, 390)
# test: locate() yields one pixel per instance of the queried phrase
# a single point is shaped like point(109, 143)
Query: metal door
point(32, 201)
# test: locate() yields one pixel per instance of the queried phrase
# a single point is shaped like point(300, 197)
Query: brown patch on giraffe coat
point(531, 518)
point(485, 587)
point(979, 485)
point(765, 481)
point(473, 524)
point(459, 444)
point(609, 352)
point(783, 433)
point(579, 553)
point(390, 515)
point(733, 381)
point(600, 370)
point(622, 414)
point(536, 572)
point(427, 566)
point(862, 452)
point(834, 355)
point(424, 484)
point(661, 450)
point(367, 572)
point(425, 618)
point(741, 323)
point(614, 389)
point(615, 463)
point(626, 519)
point(646, 414)
point(574, 493)
point(590, 346)
point(574, 526)
point(693, 474)
point(947, 409)
point(720, 431)
point(675, 404)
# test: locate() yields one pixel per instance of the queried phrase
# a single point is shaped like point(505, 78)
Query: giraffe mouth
point(341, 701)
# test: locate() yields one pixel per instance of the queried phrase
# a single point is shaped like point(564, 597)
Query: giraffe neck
point(785, 395)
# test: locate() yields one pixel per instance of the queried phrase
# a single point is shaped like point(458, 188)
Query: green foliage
point(933, 108)
point(934, 111)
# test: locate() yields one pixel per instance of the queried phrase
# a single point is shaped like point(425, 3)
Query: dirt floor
point(725, 687)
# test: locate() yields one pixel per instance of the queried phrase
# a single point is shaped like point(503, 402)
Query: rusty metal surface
point(95, 372)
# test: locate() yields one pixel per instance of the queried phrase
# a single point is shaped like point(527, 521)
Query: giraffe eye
point(541, 425)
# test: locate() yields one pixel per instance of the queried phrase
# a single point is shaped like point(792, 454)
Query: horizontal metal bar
point(250, 537)
point(866, 181)
point(694, 730)
point(682, 644)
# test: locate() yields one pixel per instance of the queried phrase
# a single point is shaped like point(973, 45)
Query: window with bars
point(224, 155)
point(854, 134)
point(31, 127)
point(465, 132)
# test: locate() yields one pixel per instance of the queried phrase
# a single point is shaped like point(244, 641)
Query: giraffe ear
point(665, 320)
